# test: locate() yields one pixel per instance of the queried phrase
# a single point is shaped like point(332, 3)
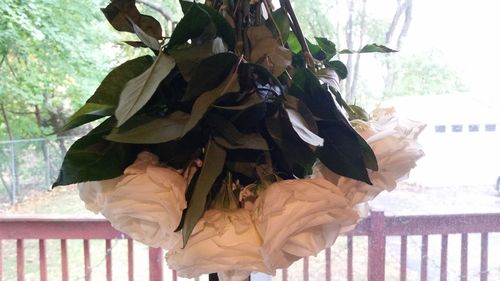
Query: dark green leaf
point(327, 46)
point(88, 113)
point(224, 29)
point(151, 130)
point(302, 121)
point(213, 165)
point(375, 48)
point(294, 150)
point(342, 152)
point(203, 103)
point(105, 98)
point(316, 51)
point(339, 67)
point(210, 73)
point(92, 158)
point(281, 18)
point(318, 99)
point(231, 138)
point(139, 90)
point(188, 58)
point(109, 91)
point(194, 23)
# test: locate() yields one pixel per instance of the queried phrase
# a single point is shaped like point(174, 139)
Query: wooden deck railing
point(376, 228)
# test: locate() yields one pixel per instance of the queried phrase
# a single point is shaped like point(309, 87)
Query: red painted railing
point(377, 228)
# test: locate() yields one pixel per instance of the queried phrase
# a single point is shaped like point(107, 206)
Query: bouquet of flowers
point(230, 146)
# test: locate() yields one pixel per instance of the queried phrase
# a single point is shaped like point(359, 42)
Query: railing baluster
point(109, 261)
point(328, 264)
point(350, 256)
point(42, 253)
point(1, 260)
point(130, 246)
point(484, 256)
point(155, 264)
point(444, 258)
point(423, 257)
point(174, 275)
point(305, 269)
point(463, 260)
point(284, 274)
point(376, 247)
point(403, 257)
point(20, 259)
point(64, 260)
point(86, 260)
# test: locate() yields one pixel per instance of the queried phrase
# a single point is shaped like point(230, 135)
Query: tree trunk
point(350, 45)
point(351, 98)
point(13, 156)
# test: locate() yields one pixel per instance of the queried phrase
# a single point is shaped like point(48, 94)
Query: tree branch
point(166, 14)
point(407, 22)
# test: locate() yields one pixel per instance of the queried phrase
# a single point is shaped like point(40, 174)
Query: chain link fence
point(30, 165)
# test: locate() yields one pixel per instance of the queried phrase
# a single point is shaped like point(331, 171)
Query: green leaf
point(249, 102)
point(370, 48)
point(339, 67)
point(294, 44)
point(139, 90)
point(194, 23)
point(106, 97)
point(151, 130)
point(281, 18)
point(327, 46)
point(109, 91)
point(316, 51)
point(213, 165)
point(93, 158)
point(369, 157)
point(88, 113)
point(203, 103)
point(342, 152)
point(210, 73)
point(375, 48)
point(224, 29)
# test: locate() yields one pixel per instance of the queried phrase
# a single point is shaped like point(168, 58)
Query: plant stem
point(294, 23)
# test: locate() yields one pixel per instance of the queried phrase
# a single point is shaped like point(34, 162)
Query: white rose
point(223, 241)
point(147, 203)
point(394, 143)
point(93, 193)
point(300, 218)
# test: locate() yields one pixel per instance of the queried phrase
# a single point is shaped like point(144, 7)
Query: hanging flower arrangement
point(230, 146)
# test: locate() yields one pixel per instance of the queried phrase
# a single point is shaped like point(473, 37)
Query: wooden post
point(376, 247)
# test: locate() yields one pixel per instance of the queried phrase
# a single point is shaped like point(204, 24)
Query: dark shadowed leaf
point(224, 29)
point(88, 113)
point(327, 46)
point(210, 73)
point(339, 67)
point(151, 130)
point(92, 158)
point(139, 90)
point(342, 152)
point(194, 23)
point(375, 48)
point(203, 103)
point(213, 165)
